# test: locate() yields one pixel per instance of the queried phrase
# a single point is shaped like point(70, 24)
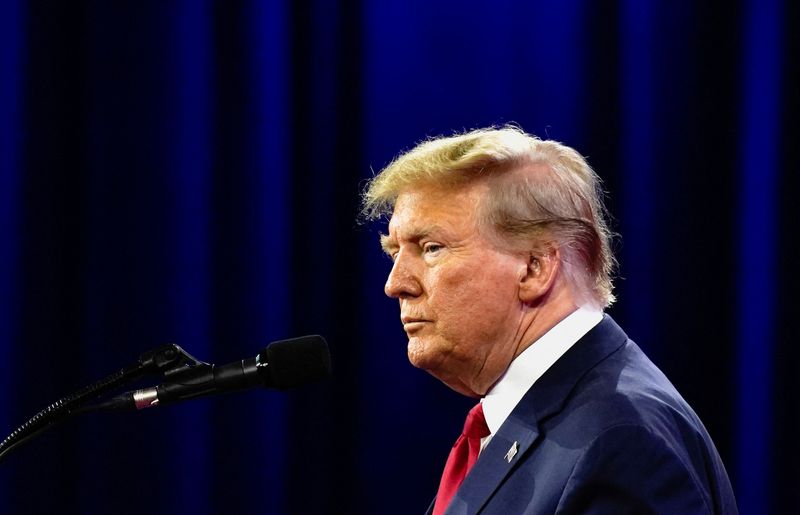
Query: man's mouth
point(411, 324)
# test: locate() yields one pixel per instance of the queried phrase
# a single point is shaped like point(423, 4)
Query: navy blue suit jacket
point(602, 431)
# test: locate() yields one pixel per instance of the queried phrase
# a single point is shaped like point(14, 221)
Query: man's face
point(458, 292)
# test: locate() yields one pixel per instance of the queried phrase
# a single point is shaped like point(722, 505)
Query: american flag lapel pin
point(512, 452)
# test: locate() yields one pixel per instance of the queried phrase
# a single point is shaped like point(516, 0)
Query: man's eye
point(432, 248)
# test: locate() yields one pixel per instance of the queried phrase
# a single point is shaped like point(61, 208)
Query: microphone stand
point(168, 359)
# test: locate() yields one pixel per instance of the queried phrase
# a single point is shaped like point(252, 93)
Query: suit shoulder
point(630, 421)
point(628, 389)
point(633, 467)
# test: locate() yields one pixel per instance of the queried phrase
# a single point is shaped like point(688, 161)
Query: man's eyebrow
point(424, 232)
point(388, 244)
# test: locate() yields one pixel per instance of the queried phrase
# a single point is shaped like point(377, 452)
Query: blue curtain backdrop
point(189, 172)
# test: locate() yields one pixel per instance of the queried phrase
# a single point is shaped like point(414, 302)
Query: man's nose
point(402, 282)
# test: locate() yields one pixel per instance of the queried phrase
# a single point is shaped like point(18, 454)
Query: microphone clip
point(170, 360)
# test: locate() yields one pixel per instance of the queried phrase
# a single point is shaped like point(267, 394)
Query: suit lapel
point(493, 466)
point(521, 429)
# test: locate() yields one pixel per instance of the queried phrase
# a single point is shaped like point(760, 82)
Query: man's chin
point(425, 354)
point(429, 357)
point(418, 353)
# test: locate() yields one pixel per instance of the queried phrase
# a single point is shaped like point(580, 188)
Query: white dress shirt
point(534, 361)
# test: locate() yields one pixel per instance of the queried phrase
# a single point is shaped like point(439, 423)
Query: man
point(502, 267)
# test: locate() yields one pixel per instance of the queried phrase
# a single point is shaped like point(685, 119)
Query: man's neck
point(544, 317)
point(527, 368)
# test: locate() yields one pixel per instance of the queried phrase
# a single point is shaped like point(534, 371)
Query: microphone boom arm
point(281, 365)
point(166, 359)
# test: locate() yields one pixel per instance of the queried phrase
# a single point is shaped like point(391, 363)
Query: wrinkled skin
point(468, 306)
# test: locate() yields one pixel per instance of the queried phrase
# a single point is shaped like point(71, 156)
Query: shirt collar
point(534, 361)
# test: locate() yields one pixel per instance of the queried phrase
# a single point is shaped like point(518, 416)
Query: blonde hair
point(541, 193)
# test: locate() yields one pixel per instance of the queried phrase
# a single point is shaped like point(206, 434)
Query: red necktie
point(462, 457)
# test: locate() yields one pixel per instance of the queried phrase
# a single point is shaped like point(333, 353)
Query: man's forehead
point(421, 213)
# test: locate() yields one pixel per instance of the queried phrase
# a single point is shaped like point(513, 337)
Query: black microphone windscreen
point(297, 361)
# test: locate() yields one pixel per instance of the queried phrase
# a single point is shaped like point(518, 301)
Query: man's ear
point(540, 275)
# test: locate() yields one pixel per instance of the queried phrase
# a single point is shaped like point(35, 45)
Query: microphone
point(281, 365)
